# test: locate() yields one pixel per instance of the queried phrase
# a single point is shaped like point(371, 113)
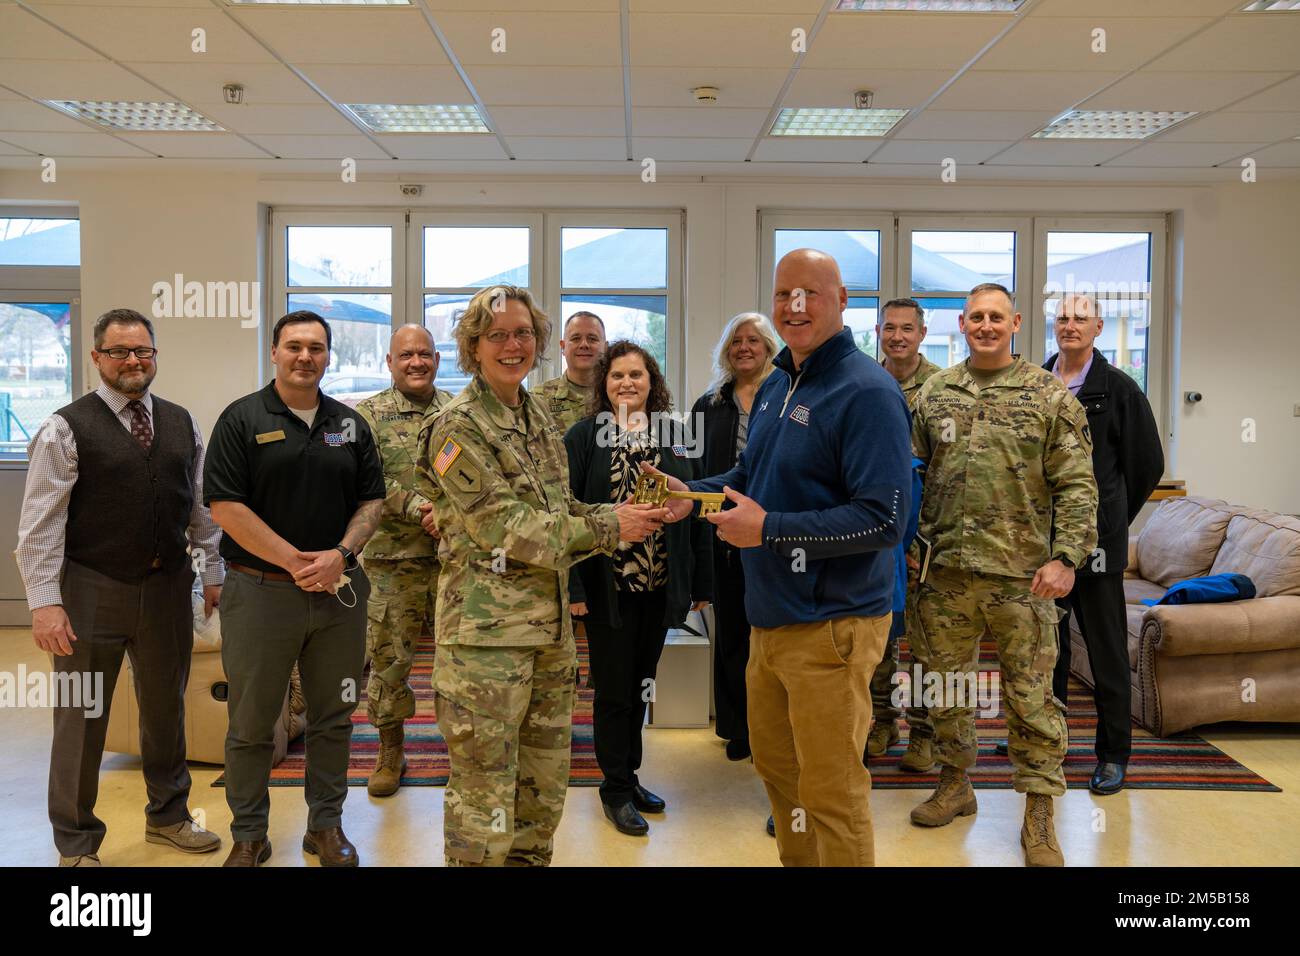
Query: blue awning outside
point(59, 246)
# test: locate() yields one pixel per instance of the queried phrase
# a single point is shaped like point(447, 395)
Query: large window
point(39, 311)
point(369, 272)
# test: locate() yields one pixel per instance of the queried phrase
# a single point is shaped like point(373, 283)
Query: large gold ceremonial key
point(653, 490)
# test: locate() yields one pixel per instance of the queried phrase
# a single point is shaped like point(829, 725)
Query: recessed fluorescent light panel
point(396, 118)
point(1272, 6)
point(139, 117)
point(323, 3)
point(817, 121)
point(1111, 124)
point(932, 6)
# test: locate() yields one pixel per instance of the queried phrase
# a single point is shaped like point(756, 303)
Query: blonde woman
point(741, 361)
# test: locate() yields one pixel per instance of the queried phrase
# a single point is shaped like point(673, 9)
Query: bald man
point(820, 499)
point(401, 559)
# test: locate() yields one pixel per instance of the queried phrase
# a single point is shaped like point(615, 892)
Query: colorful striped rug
point(1185, 762)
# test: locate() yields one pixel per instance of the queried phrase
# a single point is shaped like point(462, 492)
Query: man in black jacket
point(1127, 461)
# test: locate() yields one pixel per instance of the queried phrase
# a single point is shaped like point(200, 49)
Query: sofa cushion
point(1182, 538)
point(1136, 590)
point(1265, 547)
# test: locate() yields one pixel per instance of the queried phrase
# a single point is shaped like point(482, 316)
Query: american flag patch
point(445, 457)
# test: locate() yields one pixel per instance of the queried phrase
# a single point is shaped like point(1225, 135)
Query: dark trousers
point(152, 622)
point(265, 627)
point(1097, 603)
point(730, 648)
point(622, 660)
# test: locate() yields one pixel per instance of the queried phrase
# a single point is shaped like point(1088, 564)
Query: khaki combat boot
point(954, 797)
point(1038, 835)
point(920, 755)
point(883, 736)
point(391, 763)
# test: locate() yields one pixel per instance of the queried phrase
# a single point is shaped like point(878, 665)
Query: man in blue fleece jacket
point(821, 496)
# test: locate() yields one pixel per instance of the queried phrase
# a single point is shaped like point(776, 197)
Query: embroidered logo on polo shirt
point(800, 414)
point(335, 439)
point(679, 451)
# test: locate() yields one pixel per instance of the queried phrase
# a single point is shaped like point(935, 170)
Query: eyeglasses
point(120, 354)
point(500, 336)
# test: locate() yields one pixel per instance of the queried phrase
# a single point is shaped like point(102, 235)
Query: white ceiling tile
point(157, 33)
point(700, 120)
point(548, 85)
point(807, 7)
point(202, 145)
point(443, 146)
point(1065, 43)
point(1235, 128)
point(122, 3)
point(60, 145)
point(1284, 96)
point(569, 147)
point(737, 88)
point(1136, 8)
point(250, 119)
point(1199, 92)
point(1060, 153)
point(558, 121)
point(1283, 155)
point(979, 90)
point(335, 34)
point(22, 34)
point(336, 148)
point(1264, 41)
point(201, 82)
point(897, 42)
point(398, 83)
point(970, 125)
point(1180, 154)
point(527, 6)
point(24, 114)
point(664, 149)
point(896, 89)
point(534, 39)
point(933, 154)
point(777, 149)
point(69, 80)
point(724, 40)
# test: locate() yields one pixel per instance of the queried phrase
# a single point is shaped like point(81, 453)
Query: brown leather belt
point(255, 573)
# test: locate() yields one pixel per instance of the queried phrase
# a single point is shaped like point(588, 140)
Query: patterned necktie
point(141, 430)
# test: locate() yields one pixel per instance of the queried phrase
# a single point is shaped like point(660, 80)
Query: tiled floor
point(716, 813)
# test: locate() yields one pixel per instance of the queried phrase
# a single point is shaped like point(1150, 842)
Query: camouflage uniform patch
point(566, 402)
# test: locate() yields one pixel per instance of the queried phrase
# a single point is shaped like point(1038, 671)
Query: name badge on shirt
point(267, 437)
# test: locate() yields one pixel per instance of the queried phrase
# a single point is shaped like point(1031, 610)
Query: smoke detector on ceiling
point(706, 94)
point(233, 93)
point(862, 99)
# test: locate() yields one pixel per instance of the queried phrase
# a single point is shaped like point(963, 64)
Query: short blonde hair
point(724, 371)
point(474, 322)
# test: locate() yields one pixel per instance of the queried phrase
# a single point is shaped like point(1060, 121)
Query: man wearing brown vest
point(112, 504)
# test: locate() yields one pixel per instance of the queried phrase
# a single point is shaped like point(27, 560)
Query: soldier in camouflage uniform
point(900, 332)
point(401, 559)
point(1010, 506)
point(510, 529)
point(568, 396)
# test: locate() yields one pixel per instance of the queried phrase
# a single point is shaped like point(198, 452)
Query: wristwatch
point(1065, 561)
point(349, 559)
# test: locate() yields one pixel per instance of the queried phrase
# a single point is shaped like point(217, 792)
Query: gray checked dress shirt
point(51, 473)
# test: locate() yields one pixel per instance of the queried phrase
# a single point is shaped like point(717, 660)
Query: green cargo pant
point(400, 609)
point(507, 716)
point(953, 607)
point(882, 678)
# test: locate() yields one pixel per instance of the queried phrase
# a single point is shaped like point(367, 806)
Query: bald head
point(808, 301)
point(413, 361)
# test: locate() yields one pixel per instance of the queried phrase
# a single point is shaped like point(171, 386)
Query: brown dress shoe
point(333, 848)
point(249, 853)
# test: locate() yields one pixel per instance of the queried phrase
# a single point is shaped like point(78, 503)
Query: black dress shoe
point(737, 749)
point(771, 825)
point(1001, 749)
point(1108, 778)
point(647, 802)
point(624, 816)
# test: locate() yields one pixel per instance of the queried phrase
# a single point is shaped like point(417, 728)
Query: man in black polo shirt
point(296, 484)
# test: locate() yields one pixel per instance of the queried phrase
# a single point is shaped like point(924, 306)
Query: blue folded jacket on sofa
point(1208, 590)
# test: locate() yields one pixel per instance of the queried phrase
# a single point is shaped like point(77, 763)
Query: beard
point(130, 382)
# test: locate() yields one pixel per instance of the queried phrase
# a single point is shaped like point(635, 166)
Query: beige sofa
point(1204, 663)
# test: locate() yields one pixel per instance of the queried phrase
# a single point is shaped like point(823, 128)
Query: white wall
point(1236, 289)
